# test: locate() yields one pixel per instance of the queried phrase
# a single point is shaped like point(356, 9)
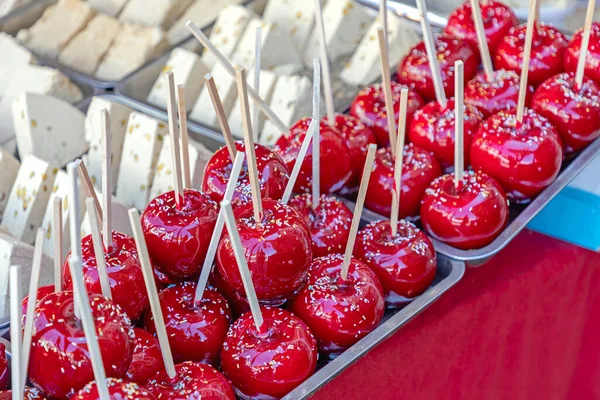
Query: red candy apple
point(196, 331)
point(592, 60)
point(59, 363)
point(43, 291)
point(432, 129)
point(278, 250)
point(4, 369)
point(270, 363)
point(335, 161)
point(547, 52)
point(501, 93)
point(29, 394)
point(194, 381)
point(369, 107)
point(405, 264)
point(272, 174)
point(497, 21)
point(338, 312)
point(419, 168)
point(118, 390)
point(147, 357)
point(469, 217)
point(574, 112)
point(238, 303)
point(178, 238)
point(524, 157)
point(414, 71)
point(329, 223)
point(124, 273)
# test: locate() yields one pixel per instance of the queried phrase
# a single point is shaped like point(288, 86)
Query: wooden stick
point(484, 49)
point(15, 332)
point(360, 202)
point(216, 235)
point(459, 122)
point(240, 257)
point(88, 186)
point(257, 62)
point(184, 136)
point(316, 147)
point(89, 327)
point(397, 190)
point(175, 151)
point(538, 8)
point(585, 42)
point(221, 116)
point(526, 57)
point(387, 89)
point(198, 34)
point(249, 144)
point(32, 298)
point(384, 22)
point(313, 127)
point(58, 242)
point(436, 74)
point(98, 250)
point(327, 88)
point(106, 180)
point(75, 226)
point(159, 321)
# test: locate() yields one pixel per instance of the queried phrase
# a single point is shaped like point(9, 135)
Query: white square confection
point(8, 6)
point(48, 128)
point(108, 7)
point(13, 56)
point(346, 22)
point(203, 110)
point(153, 12)
point(295, 17)
point(28, 198)
point(119, 114)
point(85, 51)
point(9, 167)
point(143, 141)
point(188, 70)
point(120, 218)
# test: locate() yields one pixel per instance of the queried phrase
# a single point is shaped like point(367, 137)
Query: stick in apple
point(329, 103)
point(397, 190)
point(314, 125)
point(484, 50)
point(384, 21)
point(106, 181)
point(98, 250)
point(459, 120)
point(585, 42)
point(88, 186)
point(15, 332)
point(221, 116)
point(184, 136)
point(526, 57)
point(316, 147)
point(174, 133)
point(57, 222)
point(387, 89)
point(257, 61)
point(75, 225)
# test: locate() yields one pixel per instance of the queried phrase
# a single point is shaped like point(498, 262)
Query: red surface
point(516, 328)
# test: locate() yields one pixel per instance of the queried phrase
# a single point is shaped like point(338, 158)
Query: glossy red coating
point(369, 107)
point(178, 238)
point(196, 332)
point(30, 394)
point(547, 52)
point(195, 381)
point(468, 218)
point(59, 363)
point(501, 93)
point(419, 168)
point(43, 291)
point(497, 21)
point(278, 250)
point(124, 273)
point(414, 70)
point(335, 161)
point(273, 175)
point(574, 112)
point(405, 264)
point(270, 363)
point(433, 128)
point(338, 312)
point(329, 222)
point(592, 60)
point(237, 302)
point(118, 390)
point(524, 157)
point(147, 357)
point(4, 369)
point(358, 137)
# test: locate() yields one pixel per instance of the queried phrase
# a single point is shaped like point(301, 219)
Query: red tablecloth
point(524, 326)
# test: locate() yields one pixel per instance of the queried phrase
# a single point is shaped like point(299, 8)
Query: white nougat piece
point(13, 56)
point(7, 6)
point(134, 45)
point(48, 128)
point(365, 65)
point(163, 179)
point(295, 17)
point(28, 198)
point(119, 115)
point(227, 32)
point(143, 141)
point(188, 70)
point(57, 27)
point(201, 13)
point(346, 23)
point(85, 51)
point(266, 88)
point(161, 13)
point(203, 110)
point(9, 167)
point(278, 47)
point(292, 100)
point(108, 7)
